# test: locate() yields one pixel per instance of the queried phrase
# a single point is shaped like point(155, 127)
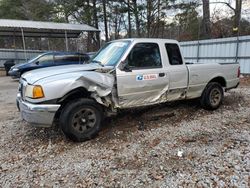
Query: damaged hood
point(33, 76)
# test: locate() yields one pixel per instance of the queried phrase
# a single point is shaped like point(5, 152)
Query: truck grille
point(21, 88)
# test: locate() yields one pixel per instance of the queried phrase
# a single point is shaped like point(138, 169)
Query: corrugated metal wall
point(219, 50)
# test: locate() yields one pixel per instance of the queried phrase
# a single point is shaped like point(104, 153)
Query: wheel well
point(72, 95)
point(219, 80)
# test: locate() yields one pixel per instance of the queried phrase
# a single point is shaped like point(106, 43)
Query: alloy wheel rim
point(215, 96)
point(84, 119)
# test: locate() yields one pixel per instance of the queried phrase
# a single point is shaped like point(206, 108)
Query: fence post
point(237, 49)
point(48, 44)
point(198, 51)
point(24, 46)
point(14, 40)
point(66, 41)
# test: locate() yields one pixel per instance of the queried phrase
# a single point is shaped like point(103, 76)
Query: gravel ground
point(171, 145)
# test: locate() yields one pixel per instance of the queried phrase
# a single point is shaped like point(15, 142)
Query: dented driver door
point(144, 80)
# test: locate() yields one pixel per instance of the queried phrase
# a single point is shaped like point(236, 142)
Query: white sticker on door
point(146, 77)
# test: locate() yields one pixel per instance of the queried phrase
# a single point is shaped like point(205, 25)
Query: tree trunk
point(105, 20)
point(129, 21)
point(96, 25)
point(237, 17)
point(158, 18)
point(206, 25)
point(149, 10)
point(89, 45)
point(115, 20)
point(137, 22)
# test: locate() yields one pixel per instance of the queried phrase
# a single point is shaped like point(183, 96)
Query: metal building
point(26, 28)
point(225, 50)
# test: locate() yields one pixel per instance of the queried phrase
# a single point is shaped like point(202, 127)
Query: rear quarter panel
point(201, 74)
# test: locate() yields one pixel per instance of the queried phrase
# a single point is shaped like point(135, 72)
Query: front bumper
point(39, 115)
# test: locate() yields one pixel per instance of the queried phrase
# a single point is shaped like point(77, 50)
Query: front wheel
point(212, 96)
point(80, 120)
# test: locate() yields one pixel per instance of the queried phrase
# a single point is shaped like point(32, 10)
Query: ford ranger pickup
point(123, 74)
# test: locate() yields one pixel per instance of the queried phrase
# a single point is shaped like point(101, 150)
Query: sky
point(219, 9)
point(225, 10)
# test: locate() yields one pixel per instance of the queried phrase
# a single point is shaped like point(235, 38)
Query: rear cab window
point(174, 54)
point(67, 58)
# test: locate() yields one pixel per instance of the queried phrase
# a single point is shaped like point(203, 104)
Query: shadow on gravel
point(235, 99)
point(43, 133)
point(141, 119)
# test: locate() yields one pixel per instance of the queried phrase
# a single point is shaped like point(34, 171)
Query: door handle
point(161, 74)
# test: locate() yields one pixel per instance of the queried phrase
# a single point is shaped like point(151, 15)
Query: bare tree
point(158, 17)
point(237, 16)
point(105, 20)
point(206, 25)
point(117, 20)
point(149, 16)
point(95, 17)
point(129, 20)
point(237, 13)
point(136, 14)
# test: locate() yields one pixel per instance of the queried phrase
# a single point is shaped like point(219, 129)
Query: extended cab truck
point(123, 74)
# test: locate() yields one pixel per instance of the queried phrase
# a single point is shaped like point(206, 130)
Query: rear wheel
point(212, 96)
point(80, 120)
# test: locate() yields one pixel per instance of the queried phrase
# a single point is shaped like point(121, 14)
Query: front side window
point(35, 59)
point(111, 53)
point(174, 54)
point(145, 55)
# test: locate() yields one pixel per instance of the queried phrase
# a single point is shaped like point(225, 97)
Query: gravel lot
point(169, 145)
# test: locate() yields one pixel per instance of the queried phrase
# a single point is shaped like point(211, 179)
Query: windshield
point(111, 53)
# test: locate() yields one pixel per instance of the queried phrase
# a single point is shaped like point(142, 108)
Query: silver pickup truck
point(124, 73)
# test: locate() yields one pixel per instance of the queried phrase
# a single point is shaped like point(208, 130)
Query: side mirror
point(125, 67)
point(37, 62)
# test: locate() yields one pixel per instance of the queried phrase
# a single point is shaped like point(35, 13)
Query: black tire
point(80, 120)
point(212, 96)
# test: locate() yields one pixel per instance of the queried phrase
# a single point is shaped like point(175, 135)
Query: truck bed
point(200, 74)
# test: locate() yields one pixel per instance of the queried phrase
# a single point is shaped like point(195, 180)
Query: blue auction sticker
point(139, 77)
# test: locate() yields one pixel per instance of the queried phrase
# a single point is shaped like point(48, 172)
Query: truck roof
point(159, 40)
